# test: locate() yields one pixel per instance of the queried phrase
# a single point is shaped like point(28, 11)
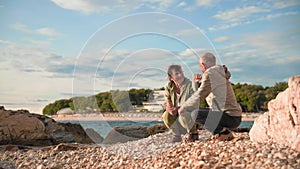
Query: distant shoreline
point(128, 116)
point(109, 117)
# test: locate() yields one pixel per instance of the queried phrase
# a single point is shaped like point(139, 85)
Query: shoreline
point(246, 117)
point(109, 117)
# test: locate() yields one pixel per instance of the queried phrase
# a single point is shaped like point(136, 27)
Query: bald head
point(206, 61)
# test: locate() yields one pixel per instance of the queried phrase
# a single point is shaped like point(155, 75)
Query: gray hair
point(209, 59)
point(173, 67)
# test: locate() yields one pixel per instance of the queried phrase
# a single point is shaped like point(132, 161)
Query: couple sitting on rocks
point(183, 99)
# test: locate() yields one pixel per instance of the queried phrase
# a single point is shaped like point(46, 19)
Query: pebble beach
point(155, 152)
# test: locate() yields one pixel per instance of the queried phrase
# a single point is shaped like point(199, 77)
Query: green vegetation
point(252, 98)
point(52, 108)
point(105, 101)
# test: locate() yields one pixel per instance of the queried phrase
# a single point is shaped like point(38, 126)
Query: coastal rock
point(129, 133)
point(125, 133)
point(24, 128)
point(94, 135)
point(77, 132)
point(157, 128)
point(20, 127)
point(282, 123)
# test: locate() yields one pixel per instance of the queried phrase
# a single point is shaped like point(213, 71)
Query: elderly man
point(224, 113)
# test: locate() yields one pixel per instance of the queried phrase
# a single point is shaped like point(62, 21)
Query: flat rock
point(125, 133)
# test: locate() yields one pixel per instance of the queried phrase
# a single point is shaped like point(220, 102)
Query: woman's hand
point(174, 111)
point(171, 109)
point(180, 111)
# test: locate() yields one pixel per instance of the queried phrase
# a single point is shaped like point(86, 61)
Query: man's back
point(217, 91)
point(221, 94)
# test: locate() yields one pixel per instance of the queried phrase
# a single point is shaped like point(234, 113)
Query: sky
point(55, 49)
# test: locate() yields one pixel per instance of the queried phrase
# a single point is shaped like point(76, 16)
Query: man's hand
point(197, 78)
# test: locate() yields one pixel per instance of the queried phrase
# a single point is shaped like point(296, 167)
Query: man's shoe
point(224, 135)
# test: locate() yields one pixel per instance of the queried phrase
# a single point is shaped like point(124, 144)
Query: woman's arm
point(170, 107)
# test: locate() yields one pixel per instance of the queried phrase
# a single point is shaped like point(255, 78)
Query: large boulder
point(282, 123)
point(20, 128)
point(24, 128)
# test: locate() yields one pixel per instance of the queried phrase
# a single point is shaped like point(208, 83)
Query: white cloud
point(182, 4)
point(187, 32)
point(85, 6)
point(41, 31)
point(160, 4)
point(5, 42)
point(47, 32)
point(191, 52)
point(259, 11)
point(238, 13)
point(22, 27)
point(261, 18)
point(221, 39)
point(279, 4)
point(92, 6)
point(32, 74)
point(34, 59)
point(122, 69)
point(263, 57)
point(224, 26)
point(40, 43)
point(24, 89)
point(271, 45)
point(277, 15)
point(205, 3)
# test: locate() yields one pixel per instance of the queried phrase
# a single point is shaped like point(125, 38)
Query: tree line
point(112, 101)
point(252, 98)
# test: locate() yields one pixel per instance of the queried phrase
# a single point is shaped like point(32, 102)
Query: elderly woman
point(177, 91)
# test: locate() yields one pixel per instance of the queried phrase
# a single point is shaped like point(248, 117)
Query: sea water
point(104, 127)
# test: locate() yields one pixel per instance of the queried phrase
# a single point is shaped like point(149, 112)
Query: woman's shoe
point(192, 137)
point(176, 138)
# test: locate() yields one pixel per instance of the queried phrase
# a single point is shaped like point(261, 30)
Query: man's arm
point(193, 102)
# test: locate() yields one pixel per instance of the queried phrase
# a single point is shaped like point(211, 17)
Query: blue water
point(104, 127)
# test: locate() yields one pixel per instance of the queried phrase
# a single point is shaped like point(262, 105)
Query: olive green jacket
point(185, 92)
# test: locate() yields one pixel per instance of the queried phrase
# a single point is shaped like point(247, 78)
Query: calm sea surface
point(104, 127)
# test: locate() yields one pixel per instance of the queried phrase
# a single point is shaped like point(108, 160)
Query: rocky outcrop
point(125, 133)
point(282, 123)
point(23, 128)
point(155, 129)
point(129, 133)
point(97, 138)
